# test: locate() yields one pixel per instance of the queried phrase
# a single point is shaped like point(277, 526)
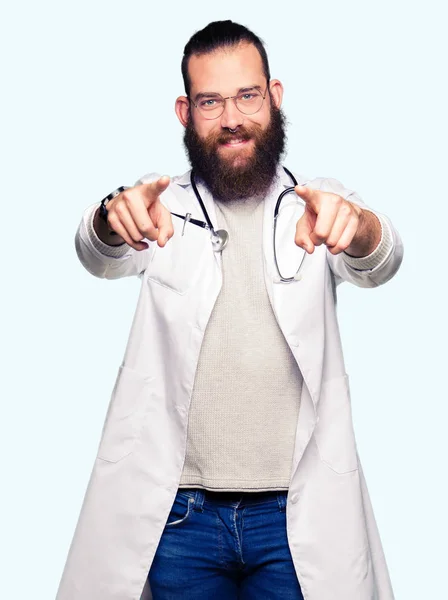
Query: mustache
point(225, 137)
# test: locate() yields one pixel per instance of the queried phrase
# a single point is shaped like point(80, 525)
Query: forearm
point(367, 237)
point(374, 269)
point(102, 259)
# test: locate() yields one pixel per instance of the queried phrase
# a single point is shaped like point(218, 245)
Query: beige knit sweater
point(246, 396)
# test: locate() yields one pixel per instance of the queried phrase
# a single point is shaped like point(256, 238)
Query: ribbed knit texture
point(381, 252)
point(246, 396)
point(106, 249)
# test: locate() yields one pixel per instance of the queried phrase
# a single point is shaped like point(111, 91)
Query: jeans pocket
point(180, 511)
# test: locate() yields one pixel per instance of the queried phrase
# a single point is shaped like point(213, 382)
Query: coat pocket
point(123, 419)
point(177, 266)
point(334, 434)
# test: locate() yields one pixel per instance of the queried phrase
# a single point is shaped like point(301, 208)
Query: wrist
point(368, 236)
point(103, 232)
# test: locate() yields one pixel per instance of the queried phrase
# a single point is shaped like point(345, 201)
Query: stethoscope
point(220, 237)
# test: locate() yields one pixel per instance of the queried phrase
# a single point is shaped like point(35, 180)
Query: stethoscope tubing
point(209, 223)
point(220, 237)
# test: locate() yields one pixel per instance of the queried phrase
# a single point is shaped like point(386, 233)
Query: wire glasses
point(248, 101)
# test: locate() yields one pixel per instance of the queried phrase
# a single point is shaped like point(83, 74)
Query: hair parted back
point(220, 34)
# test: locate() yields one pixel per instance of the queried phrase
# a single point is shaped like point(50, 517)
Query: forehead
point(226, 70)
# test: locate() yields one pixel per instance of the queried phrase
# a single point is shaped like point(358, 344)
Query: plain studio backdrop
point(87, 104)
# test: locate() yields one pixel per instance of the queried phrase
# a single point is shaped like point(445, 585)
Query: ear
point(182, 108)
point(276, 89)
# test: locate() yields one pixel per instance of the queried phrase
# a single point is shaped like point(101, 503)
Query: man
point(227, 466)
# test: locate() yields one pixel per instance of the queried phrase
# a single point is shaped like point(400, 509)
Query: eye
point(246, 97)
point(207, 103)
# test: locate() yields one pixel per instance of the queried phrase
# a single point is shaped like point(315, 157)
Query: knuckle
point(119, 208)
point(112, 219)
point(342, 246)
point(132, 199)
point(338, 200)
point(346, 209)
point(129, 201)
point(148, 230)
point(319, 234)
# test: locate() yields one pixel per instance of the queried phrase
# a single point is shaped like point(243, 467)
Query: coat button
point(294, 498)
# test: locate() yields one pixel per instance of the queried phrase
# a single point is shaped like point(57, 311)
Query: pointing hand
point(137, 213)
point(328, 219)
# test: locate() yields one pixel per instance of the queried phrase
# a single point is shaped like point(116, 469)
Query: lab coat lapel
point(294, 302)
point(207, 199)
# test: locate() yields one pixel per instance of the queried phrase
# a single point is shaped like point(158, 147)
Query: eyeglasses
point(249, 101)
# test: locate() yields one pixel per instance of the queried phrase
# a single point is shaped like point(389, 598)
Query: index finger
point(140, 211)
point(309, 195)
point(152, 190)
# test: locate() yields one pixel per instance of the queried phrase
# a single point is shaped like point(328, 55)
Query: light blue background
point(87, 105)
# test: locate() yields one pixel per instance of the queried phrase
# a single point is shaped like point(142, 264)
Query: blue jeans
point(225, 546)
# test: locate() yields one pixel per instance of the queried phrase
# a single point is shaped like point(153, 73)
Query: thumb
point(164, 226)
point(304, 228)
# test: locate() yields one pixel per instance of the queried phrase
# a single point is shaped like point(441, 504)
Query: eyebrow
point(201, 95)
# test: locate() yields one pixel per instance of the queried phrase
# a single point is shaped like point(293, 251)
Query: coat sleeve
point(110, 262)
point(379, 266)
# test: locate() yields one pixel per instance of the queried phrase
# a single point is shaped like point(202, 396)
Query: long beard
point(238, 176)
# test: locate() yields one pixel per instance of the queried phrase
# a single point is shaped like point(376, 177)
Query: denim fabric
point(225, 546)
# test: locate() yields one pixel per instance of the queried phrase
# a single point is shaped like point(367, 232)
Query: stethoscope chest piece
point(219, 240)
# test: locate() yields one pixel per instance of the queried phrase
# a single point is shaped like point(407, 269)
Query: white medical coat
point(332, 533)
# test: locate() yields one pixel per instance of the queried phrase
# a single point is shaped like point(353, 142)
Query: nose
point(231, 118)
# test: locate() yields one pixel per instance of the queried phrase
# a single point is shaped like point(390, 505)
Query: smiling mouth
point(235, 143)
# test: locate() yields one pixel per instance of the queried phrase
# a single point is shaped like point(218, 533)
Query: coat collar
point(281, 181)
